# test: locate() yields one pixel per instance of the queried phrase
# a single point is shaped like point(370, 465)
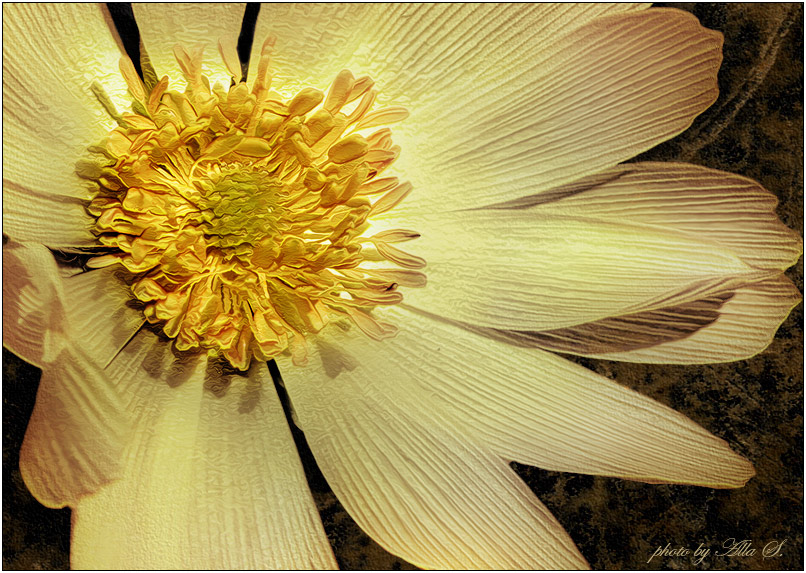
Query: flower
point(416, 452)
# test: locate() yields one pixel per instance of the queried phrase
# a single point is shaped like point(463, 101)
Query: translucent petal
point(34, 317)
point(746, 326)
point(77, 432)
point(42, 307)
point(211, 479)
point(728, 210)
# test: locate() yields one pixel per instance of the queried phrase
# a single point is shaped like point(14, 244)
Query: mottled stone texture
point(755, 129)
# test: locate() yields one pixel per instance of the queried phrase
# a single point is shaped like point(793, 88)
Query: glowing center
point(241, 216)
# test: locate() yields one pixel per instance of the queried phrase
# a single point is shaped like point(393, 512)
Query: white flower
point(170, 462)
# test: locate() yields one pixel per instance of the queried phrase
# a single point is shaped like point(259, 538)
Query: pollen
point(243, 217)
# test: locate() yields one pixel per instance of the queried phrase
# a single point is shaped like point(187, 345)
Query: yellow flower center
point(243, 216)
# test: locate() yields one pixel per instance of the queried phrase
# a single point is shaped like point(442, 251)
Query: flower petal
point(34, 318)
point(538, 408)
point(728, 210)
point(76, 433)
point(409, 480)
point(164, 25)
point(413, 51)
point(746, 325)
point(524, 404)
point(539, 270)
point(59, 50)
point(101, 308)
point(43, 217)
point(607, 91)
point(211, 480)
point(42, 308)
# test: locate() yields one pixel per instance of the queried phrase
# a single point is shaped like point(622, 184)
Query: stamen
point(242, 215)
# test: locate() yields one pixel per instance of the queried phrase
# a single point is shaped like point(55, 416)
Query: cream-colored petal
point(79, 424)
point(211, 479)
point(415, 52)
point(607, 91)
point(537, 270)
point(746, 326)
point(728, 210)
point(77, 431)
point(538, 408)
point(42, 307)
point(524, 404)
point(52, 54)
point(102, 311)
point(164, 25)
point(410, 479)
point(37, 215)
point(34, 318)
point(314, 41)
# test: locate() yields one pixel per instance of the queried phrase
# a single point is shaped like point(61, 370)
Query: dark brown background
point(756, 129)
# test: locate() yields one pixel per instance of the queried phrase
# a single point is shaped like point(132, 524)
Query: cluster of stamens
point(243, 216)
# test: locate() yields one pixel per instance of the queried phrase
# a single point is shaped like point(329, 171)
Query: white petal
point(537, 270)
point(52, 55)
point(607, 91)
point(415, 53)
point(212, 478)
point(314, 41)
point(410, 480)
point(526, 405)
point(746, 326)
point(34, 318)
point(103, 310)
point(77, 432)
point(164, 25)
point(42, 308)
point(537, 408)
point(36, 215)
point(728, 210)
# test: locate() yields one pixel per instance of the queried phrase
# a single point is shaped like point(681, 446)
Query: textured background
point(755, 129)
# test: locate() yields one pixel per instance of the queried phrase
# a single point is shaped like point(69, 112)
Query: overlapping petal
point(539, 270)
point(77, 431)
point(34, 317)
point(211, 477)
point(746, 325)
point(412, 482)
point(416, 53)
point(721, 209)
point(79, 423)
point(402, 441)
point(165, 25)
point(49, 105)
point(43, 307)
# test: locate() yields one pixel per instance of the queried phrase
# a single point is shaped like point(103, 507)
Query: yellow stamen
point(242, 216)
